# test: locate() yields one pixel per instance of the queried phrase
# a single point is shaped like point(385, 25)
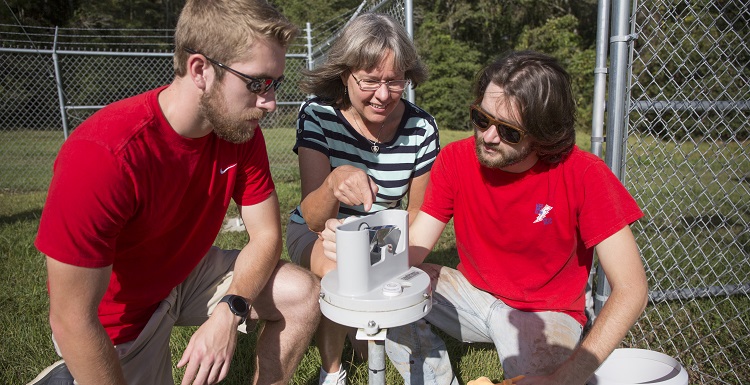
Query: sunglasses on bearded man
point(255, 85)
point(483, 121)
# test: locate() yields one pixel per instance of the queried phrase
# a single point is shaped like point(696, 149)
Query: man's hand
point(210, 350)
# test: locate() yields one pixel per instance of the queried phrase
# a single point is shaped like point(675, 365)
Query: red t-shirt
point(528, 238)
point(128, 191)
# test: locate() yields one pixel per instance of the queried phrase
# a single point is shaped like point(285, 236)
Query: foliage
point(457, 37)
point(447, 94)
point(558, 38)
point(301, 12)
point(154, 14)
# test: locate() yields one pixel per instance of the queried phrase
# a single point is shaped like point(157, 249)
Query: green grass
point(695, 231)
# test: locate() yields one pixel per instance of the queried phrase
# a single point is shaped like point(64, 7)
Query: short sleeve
point(429, 148)
point(440, 194)
point(606, 205)
point(90, 199)
point(255, 183)
point(310, 129)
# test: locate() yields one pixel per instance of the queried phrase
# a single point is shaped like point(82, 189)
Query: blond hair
point(224, 29)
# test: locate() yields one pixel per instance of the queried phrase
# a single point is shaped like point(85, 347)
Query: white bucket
point(639, 366)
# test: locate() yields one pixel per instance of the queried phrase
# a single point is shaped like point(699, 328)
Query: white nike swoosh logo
point(222, 171)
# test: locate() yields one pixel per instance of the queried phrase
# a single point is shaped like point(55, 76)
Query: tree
point(558, 37)
point(317, 13)
point(452, 64)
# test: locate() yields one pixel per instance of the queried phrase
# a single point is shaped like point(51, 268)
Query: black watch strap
point(237, 305)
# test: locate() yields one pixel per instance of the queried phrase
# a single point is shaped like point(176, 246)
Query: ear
point(345, 77)
point(198, 70)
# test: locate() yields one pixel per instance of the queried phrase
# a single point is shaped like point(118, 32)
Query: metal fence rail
point(687, 161)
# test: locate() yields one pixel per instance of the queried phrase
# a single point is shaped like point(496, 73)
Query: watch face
point(239, 304)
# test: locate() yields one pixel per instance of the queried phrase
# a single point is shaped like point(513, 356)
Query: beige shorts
point(147, 359)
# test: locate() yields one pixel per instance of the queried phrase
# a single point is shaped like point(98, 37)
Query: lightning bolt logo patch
point(541, 214)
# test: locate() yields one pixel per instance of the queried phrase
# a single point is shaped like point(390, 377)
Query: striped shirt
point(410, 153)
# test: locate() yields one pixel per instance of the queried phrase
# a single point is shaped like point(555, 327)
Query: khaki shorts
point(147, 359)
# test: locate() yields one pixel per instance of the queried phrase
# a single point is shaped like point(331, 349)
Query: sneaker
point(333, 378)
point(55, 374)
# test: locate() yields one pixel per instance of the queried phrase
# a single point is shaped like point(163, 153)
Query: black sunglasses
point(483, 121)
point(255, 85)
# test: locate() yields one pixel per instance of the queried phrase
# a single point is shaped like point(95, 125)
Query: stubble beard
point(502, 157)
point(233, 129)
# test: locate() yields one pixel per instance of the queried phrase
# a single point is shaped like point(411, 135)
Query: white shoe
point(334, 378)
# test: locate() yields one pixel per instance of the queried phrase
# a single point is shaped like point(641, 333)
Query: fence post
point(409, 10)
point(308, 30)
point(597, 121)
point(58, 83)
point(619, 41)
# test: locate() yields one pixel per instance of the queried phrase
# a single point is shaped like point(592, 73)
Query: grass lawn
point(700, 333)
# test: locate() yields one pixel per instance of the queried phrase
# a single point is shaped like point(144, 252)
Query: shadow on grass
point(29, 215)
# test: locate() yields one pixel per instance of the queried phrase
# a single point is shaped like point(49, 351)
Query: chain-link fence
point(51, 80)
point(688, 165)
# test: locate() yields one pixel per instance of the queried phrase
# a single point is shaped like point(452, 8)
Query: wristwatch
point(237, 305)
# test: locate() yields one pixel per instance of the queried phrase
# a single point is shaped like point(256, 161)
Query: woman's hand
point(328, 236)
point(352, 186)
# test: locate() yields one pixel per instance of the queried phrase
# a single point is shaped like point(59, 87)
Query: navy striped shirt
point(410, 153)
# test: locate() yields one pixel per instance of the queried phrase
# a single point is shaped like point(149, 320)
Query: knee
point(303, 289)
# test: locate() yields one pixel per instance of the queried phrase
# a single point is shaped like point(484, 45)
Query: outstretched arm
point(424, 233)
point(323, 189)
point(417, 188)
point(621, 260)
point(211, 348)
point(75, 293)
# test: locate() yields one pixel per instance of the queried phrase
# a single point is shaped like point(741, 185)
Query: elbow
point(67, 324)
point(644, 296)
point(63, 327)
point(638, 294)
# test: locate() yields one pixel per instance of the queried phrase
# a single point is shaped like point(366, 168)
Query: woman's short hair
point(362, 45)
point(540, 88)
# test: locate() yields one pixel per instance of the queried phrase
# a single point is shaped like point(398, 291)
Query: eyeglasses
point(483, 121)
point(374, 85)
point(255, 85)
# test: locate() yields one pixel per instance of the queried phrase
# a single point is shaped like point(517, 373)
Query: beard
point(232, 128)
point(502, 156)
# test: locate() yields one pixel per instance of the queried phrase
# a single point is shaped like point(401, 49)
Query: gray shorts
point(298, 238)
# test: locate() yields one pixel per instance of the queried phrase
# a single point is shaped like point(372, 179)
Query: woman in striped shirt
point(361, 147)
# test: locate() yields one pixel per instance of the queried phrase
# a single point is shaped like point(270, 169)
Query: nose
point(491, 135)
point(267, 100)
point(382, 92)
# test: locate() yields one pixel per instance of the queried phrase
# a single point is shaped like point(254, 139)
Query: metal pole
point(600, 78)
point(310, 65)
point(409, 10)
point(619, 42)
point(618, 81)
point(376, 362)
point(597, 121)
point(58, 83)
